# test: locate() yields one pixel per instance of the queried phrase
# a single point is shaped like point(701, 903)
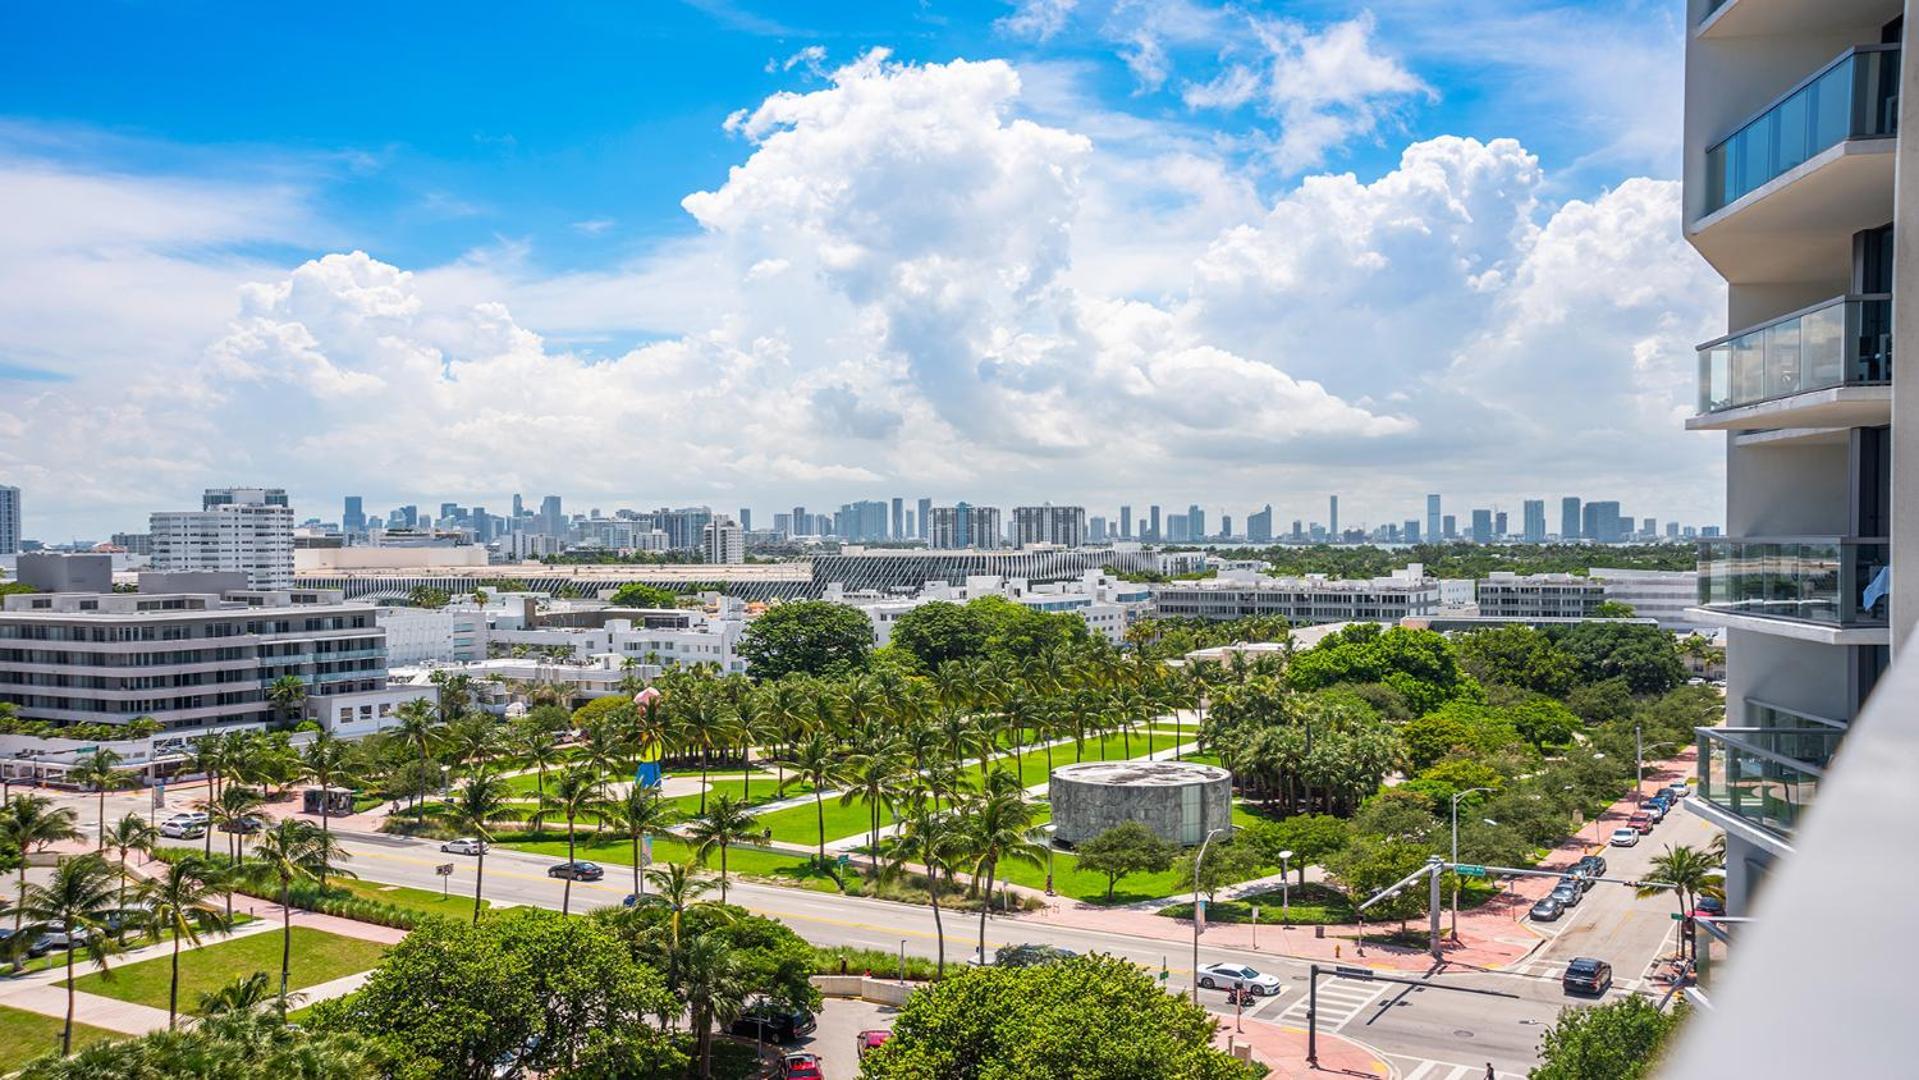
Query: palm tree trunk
point(102, 846)
point(326, 817)
point(939, 931)
point(723, 873)
point(702, 781)
point(66, 1033)
point(479, 875)
point(986, 904)
point(173, 986)
point(566, 895)
point(819, 812)
point(746, 771)
point(286, 941)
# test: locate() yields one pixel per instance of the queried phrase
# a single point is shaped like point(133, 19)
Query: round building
point(1179, 800)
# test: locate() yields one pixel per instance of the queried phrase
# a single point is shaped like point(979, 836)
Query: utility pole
point(1198, 862)
point(1434, 865)
point(1638, 767)
point(1456, 799)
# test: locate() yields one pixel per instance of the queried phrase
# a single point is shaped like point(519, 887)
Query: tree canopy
point(807, 637)
point(639, 594)
point(1622, 1039)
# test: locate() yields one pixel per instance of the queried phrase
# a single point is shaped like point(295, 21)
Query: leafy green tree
point(638, 594)
point(1518, 656)
point(1645, 656)
point(1458, 727)
point(1543, 722)
point(1228, 861)
point(940, 631)
point(1371, 863)
point(1613, 609)
point(1090, 1018)
point(810, 637)
point(1419, 664)
point(1622, 1039)
point(1310, 837)
point(1452, 776)
point(1602, 702)
point(1128, 848)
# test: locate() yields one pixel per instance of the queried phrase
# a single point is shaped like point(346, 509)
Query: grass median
point(317, 957)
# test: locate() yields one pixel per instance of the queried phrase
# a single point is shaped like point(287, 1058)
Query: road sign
point(444, 869)
point(1353, 972)
point(1468, 870)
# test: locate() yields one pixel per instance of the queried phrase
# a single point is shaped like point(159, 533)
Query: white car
point(188, 817)
point(1236, 976)
point(465, 845)
point(1625, 838)
point(183, 829)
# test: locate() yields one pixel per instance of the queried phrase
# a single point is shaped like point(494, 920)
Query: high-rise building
point(519, 507)
point(1570, 518)
point(1432, 517)
point(722, 541)
point(9, 520)
point(962, 526)
point(899, 519)
point(1126, 523)
point(353, 515)
point(799, 522)
point(552, 518)
point(1500, 524)
point(1153, 523)
point(1259, 526)
point(1049, 524)
point(1225, 526)
point(1482, 526)
point(1096, 530)
point(926, 512)
point(1600, 522)
point(1449, 527)
point(1410, 531)
point(861, 522)
point(1332, 516)
point(1795, 187)
point(685, 528)
point(1195, 522)
point(1535, 515)
point(746, 519)
point(1177, 529)
point(249, 530)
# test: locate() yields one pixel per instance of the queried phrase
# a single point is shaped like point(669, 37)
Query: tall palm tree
point(100, 772)
point(294, 851)
point(131, 833)
point(480, 802)
point(873, 776)
point(817, 760)
point(997, 826)
point(724, 823)
point(538, 747)
point(1691, 873)
point(230, 813)
point(30, 823)
point(931, 839)
point(331, 763)
point(575, 792)
point(288, 693)
point(701, 726)
point(77, 899)
point(175, 901)
point(639, 812)
point(715, 986)
point(472, 741)
point(675, 886)
point(209, 758)
point(418, 726)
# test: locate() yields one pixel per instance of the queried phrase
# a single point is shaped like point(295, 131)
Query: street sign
point(444, 869)
point(1468, 870)
point(1353, 972)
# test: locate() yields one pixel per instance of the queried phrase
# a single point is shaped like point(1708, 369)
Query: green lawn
point(800, 824)
point(317, 957)
point(618, 852)
point(425, 901)
point(1034, 767)
point(26, 1035)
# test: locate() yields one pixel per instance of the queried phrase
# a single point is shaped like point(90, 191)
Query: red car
point(801, 1067)
point(1642, 822)
point(867, 1040)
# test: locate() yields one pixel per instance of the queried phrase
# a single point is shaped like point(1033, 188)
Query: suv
point(1586, 975)
point(765, 1021)
point(183, 829)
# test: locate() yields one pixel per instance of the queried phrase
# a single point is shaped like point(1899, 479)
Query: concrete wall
point(1081, 811)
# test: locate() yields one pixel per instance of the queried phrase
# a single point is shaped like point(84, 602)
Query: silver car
point(465, 845)
point(1235, 977)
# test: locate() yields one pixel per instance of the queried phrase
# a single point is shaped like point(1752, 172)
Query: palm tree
point(639, 812)
point(676, 887)
point(176, 905)
point(293, 851)
point(419, 727)
point(131, 833)
point(231, 814)
point(817, 760)
point(576, 792)
point(997, 825)
point(472, 740)
point(77, 900)
point(873, 774)
point(536, 746)
point(31, 823)
point(99, 772)
point(701, 725)
point(243, 994)
point(478, 803)
point(288, 693)
point(715, 986)
point(1691, 873)
point(930, 839)
point(725, 823)
point(210, 757)
point(330, 763)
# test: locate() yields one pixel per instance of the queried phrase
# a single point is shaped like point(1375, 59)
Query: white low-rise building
point(1505, 595)
point(1302, 601)
point(453, 634)
point(1666, 596)
point(652, 639)
point(1106, 604)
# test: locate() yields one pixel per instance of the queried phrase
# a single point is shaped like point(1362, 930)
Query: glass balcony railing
point(1854, 97)
point(1765, 776)
point(1832, 581)
point(1846, 341)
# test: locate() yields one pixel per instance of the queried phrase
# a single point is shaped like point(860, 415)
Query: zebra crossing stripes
point(1339, 1001)
point(1428, 1069)
point(1556, 969)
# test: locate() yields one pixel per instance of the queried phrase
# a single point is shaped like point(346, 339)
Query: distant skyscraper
point(1499, 524)
point(1259, 526)
point(1672, 530)
point(1096, 529)
point(926, 513)
point(1432, 517)
point(1650, 528)
point(1061, 525)
point(963, 525)
point(1125, 523)
point(1599, 521)
point(9, 520)
point(1410, 531)
point(1153, 524)
point(746, 519)
point(1299, 530)
point(1482, 526)
point(722, 541)
point(245, 529)
point(862, 522)
point(1332, 516)
point(1195, 523)
point(1569, 518)
point(1225, 526)
point(353, 516)
point(519, 507)
point(552, 518)
point(1177, 529)
point(1535, 516)
point(1449, 527)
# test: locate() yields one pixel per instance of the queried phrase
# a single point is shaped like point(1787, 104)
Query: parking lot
point(840, 1022)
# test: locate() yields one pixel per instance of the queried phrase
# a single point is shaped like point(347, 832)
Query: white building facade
point(249, 530)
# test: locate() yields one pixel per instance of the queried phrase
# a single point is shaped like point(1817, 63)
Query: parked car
point(197, 817)
point(246, 826)
point(1627, 837)
point(465, 845)
point(1568, 894)
point(1710, 906)
point(1675, 792)
point(1655, 810)
point(1236, 976)
point(56, 939)
point(766, 1021)
point(1593, 866)
point(1015, 956)
point(871, 1040)
point(1642, 823)
point(580, 870)
point(1586, 975)
point(800, 1067)
point(1547, 909)
point(183, 830)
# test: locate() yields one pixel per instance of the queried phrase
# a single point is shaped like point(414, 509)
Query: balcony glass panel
point(1831, 581)
point(1856, 97)
point(1768, 790)
point(1846, 341)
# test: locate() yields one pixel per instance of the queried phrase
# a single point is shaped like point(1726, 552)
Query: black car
point(1586, 975)
point(1710, 906)
point(577, 871)
point(765, 1021)
point(1592, 866)
point(1547, 910)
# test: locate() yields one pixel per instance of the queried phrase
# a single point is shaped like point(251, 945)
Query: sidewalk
point(1283, 1050)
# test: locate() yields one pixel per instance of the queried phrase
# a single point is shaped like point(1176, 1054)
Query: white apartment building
point(1107, 605)
point(1796, 186)
point(1506, 595)
point(1669, 597)
point(653, 639)
point(453, 634)
point(723, 541)
point(1302, 601)
point(249, 530)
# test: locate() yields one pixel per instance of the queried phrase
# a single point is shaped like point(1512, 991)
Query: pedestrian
point(1489, 1072)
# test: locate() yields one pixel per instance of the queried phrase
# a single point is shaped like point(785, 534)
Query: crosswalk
point(1428, 1069)
point(1339, 1001)
point(1556, 969)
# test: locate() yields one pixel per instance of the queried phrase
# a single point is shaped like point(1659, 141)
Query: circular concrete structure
point(1179, 800)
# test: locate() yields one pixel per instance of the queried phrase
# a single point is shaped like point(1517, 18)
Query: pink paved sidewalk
point(1492, 936)
point(1283, 1051)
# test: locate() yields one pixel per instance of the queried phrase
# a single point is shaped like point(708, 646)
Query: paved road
point(1413, 1025)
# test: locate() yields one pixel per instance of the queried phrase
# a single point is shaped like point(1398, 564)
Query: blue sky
point(541, 156)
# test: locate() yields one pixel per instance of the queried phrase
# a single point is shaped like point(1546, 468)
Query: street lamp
point(1285, 891)
point(1456, 797)
point(1198, 861)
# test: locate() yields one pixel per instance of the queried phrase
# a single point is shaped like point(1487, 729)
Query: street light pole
point(1638, 767)
point(1198, 862)
point(1458, 796)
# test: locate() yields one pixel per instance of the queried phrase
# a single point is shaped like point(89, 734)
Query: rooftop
point(1141, 773)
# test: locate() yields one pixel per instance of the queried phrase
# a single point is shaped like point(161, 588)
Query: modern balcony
point(1829, 365)
point(1764, 777)
point(1785, 189)
point(1723, 19)
point(1831, 589)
